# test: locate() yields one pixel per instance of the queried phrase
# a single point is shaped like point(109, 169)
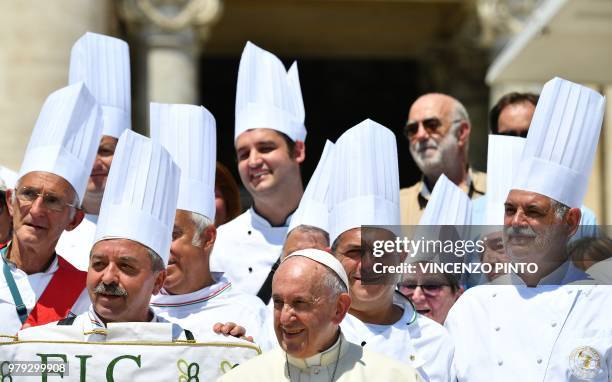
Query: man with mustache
point(379, 319)
point(190, 295)
point(269, 142)
point(103, 64)
point(132, 242)
point(37, 285)
point(547, 324)
point(438, 133)
point(310, 295)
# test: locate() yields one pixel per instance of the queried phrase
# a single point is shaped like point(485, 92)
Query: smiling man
point(379, 319)
point(190, 296)
point(438, 133)
point(310, 295)
point(132, 242)
point(544, 325)
point(269, 140)
point(103, 64)
point(44, 203)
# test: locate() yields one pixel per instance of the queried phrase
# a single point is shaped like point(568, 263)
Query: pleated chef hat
point(189, 134)
point(561, 142)
point(103, 63)
point(139, 201)
point(502, 164)
point(314, 206)
point(66, 136)
point(267, 96)
point(448, 205)
point(365, 179)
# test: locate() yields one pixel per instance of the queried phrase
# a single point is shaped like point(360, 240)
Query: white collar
point(324, 358)
point(566, 273)
point(257, 219)
point(97, 322)
point(166, 300)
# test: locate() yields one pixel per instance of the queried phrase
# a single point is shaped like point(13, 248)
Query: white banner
point(120, 361)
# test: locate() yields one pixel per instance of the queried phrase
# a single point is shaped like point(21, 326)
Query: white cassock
point(31, 287)
point(415, 340)
point(245, 250)
point(546, 333)
point(88, 327)
point(344, 362)
point(199, 311)
point(75, 245)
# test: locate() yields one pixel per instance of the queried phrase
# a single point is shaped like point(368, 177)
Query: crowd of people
point(103, 225)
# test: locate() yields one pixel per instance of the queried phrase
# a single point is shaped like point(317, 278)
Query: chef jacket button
point(494, 294)
point(412, 357)
point(500, 362)
point(316, 370)
point(569, 292)
point(363, 343)
point(553, 324)
point(497, 328)
point(250, 269)
point(539, 360)
point(249, 232)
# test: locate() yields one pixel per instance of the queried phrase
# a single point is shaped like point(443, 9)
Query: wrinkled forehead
point(522, 198)
point(431, 106)
point(49, 182)
point(118, 247)
point(298, 274)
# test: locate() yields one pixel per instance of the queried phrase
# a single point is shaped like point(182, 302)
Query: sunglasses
point(431, 125)
point(2, 201)
point(430, 290)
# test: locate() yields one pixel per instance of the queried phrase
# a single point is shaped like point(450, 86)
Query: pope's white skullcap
point(324, 258)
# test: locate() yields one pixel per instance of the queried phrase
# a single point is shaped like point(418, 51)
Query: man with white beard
point(438, 131)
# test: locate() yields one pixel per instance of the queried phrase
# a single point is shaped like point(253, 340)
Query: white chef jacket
point(200, 310)
point(31, 287)
point(75, 245)
point(415, 340)
point(547, 333)
point(245, 250)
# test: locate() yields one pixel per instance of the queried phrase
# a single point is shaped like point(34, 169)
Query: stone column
point(35, 40)
point(166, 36)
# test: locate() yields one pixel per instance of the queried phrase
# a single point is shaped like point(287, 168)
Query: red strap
point(63, 290)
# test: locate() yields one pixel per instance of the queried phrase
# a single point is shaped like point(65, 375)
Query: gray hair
point(332, 283)
point(200, 222)
point(157, 264)
point(559, 208)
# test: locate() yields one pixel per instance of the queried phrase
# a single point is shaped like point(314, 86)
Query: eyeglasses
point(511, 133)
point(430, 290)
point(27, 196)
point(431, 125)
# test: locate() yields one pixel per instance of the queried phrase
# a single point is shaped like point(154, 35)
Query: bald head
point(438, 130)
point(304, 237)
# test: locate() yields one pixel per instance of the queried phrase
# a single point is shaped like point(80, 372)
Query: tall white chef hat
point(448, 216)
point(502, 165)
point(365, 179)
point(103, 63)
point(448, 205)
point(314, 207)
point(267, 96)
point(66, 136)
point(189, 134)
point(561, 142)
point(139, 201)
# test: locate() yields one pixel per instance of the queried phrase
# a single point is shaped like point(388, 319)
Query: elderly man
point(190, 295)
point(379, 319)
point(269, 141)
point(128, 259)
point(103, 64)
point(38, 286)
point(438, 131)
point(310, 300)
point(540, 328)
